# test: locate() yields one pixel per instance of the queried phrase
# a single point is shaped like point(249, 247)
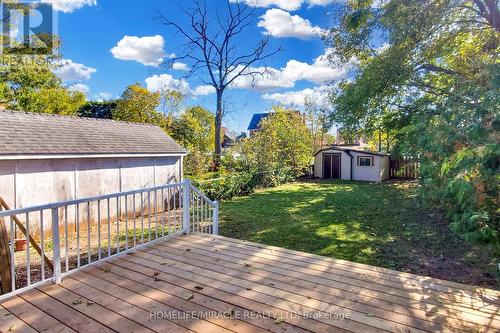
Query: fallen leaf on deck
point(90, 303)
point(198, 287)
point(188, 250)
point(187, 296)
point(370, 314)
point(77, 301)
point(156, 279)
point(107, 269)
point(279, 320)
point(12, 328)
point(156, 273)
point(247, 265)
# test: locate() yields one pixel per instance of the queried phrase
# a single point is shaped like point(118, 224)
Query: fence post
point(185, 206)
point(57, 248)
point(216, 219)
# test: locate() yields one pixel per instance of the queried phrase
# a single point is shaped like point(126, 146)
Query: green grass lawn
point(377, 224)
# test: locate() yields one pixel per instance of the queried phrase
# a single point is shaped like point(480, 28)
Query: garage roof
point(35, 134)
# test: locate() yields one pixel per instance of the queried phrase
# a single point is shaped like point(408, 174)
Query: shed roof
point(23, 133)
point(347, 149)
point(256, 119)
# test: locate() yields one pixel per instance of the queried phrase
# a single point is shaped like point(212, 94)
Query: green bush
point(241, 183)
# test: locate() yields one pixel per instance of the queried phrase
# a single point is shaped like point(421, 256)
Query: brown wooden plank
point(81, 304)
point(35, 317)
point(335, 264)
point(422, 302)
point(63, 313)
point(202, 300)
point(157, 300)
point(286, 300)
point(407, 316)
point(433, 298)
point(211, 288)
point(10, 323)
point(128, 309)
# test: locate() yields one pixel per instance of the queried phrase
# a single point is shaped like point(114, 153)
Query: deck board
point(200, 283)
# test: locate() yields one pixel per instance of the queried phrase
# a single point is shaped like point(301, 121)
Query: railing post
point(215, 229)
point(57, 248)
point(186, 189)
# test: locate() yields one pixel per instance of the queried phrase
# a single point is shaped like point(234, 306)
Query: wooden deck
point(201, 283)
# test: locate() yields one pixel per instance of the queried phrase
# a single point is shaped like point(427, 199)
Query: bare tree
point(212, 46)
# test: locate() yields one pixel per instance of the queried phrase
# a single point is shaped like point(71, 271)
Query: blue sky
point(109, 44)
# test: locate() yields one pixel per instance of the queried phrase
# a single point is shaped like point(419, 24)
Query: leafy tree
point(195, 130)
point(434, 87)
point(28, 83)
point(93, 109)
point(282, 148)
point(137, 104)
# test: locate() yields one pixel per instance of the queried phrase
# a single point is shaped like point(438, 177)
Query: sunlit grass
point(378, 224)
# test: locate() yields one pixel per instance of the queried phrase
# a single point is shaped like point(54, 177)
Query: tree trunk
point(218, 130)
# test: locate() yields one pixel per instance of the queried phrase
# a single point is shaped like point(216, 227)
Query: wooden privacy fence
point(404, 169)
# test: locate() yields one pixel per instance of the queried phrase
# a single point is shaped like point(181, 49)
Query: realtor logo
point(28, 27)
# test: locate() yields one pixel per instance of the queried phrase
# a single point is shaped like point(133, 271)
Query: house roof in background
point(351, 148)
point(23, 133)
point(256, 119)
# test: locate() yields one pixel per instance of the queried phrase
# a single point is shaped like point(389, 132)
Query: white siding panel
point(367, 173)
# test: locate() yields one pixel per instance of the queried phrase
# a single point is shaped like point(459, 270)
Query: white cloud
point(145, 50)
point(298, 98)
point(270, 78)
point(279, 23)
point(284, 4)
point(79, 87)
point(69, 6)
point(320, 71)
point(180, 66)
point(103, 96)
point(158, 83)
point(204, 90)
point(68, 70)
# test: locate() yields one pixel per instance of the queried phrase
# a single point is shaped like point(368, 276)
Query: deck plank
point(274, 288)
point(399, 283)
point(310, 280)
point(35, 317)
point(411, 317)
point(11, 323)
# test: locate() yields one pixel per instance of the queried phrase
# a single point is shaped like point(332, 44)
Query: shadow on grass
point(379, 224)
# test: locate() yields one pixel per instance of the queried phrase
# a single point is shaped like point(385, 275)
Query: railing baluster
point(28, 259)
point(135, 219)
point(66, 246)
point(149, 216)
point(12, 254)
point(42, 245)
point(56, 256)
point(109, 230)
point(118, 224)
point(126, 223)
point(89, 255)
point(155, 207)
point(162, 213)
point(168, 211)
point(142, 217)
point(175, 209)
point(77, 235)
point(99, 229)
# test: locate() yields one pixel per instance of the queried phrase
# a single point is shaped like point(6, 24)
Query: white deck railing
point(77, 233)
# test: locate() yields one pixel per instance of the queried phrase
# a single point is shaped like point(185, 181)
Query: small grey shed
point(48, 158)
point(351, 163)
